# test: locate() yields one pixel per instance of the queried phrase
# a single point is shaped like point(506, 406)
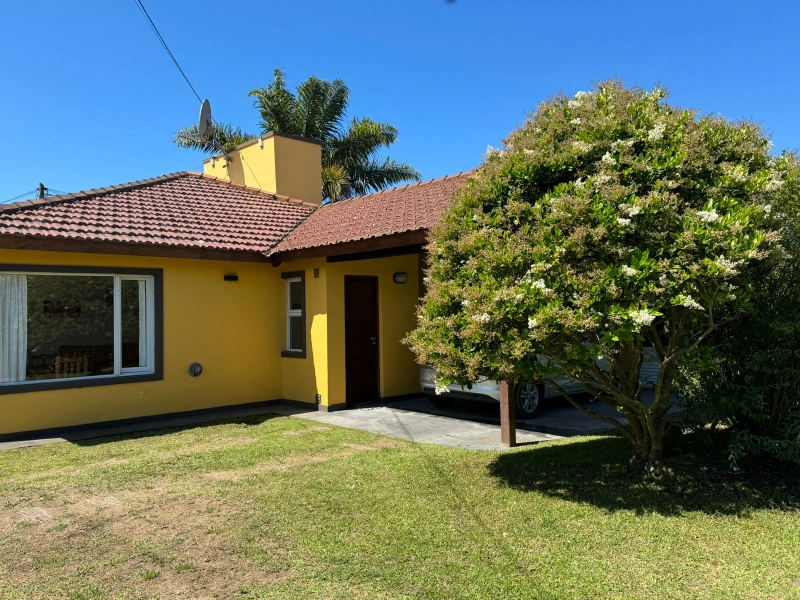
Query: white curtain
point(142, 323)
point(13, 327)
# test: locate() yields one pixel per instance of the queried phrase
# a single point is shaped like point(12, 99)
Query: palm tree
point(351, 164)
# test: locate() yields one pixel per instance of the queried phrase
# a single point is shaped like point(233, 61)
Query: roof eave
point(410, 238)
point(63, 244)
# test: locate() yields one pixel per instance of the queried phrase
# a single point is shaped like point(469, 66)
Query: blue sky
point(90, 98)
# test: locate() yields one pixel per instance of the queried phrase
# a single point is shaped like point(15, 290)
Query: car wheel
point(529, 398)
point(441, 401)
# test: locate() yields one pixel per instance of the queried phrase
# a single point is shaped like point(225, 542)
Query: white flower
point(768, 208)
point(573, 104)
point(539, 284)
point(581, 94)
point(629, 271)
point(491, 151)
point(624, 143)
point(576, 121)
point(729, 267)
point(642, 317)
point(519, 297)
point(623, 222)
point(529, 152)
point(601, 179)
point(580, 183)
point(465, 303)
point(708, 216)
point(774, 183)
point(731, 296)
point(691, 303)
point(737, 173)
point(608, 159)
point(532, 323)
point(631, 211)
point(663, 281)
point(582, 146)
point(657, 132)
point(482, 319)
point(440, 387)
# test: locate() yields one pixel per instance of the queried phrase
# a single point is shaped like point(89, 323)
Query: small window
point(295, 314)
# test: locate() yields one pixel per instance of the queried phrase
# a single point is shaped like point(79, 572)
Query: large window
point(295, 314)
point(75, 327)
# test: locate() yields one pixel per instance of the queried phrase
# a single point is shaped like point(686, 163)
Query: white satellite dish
point(204, 125)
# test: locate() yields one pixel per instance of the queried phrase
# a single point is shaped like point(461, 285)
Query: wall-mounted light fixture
point(400, 277)
point(231, 277)
point(260, 142)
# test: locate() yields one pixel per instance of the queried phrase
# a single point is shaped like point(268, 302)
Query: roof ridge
point(92, 193)
point(259, 191)
point(402, 187)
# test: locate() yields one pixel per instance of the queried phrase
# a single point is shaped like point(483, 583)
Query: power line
point(29, 193)
point(164, 44)
point(35, 193)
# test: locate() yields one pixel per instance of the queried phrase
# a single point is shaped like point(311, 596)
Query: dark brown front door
point(361, 339)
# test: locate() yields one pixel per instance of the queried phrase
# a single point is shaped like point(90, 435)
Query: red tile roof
point(183, 209)
point(408, 208)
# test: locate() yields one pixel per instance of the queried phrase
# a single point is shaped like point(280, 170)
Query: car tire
point(441, 401)
point(528, 398)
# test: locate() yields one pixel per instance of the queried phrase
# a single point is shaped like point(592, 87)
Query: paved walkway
point(418, 426)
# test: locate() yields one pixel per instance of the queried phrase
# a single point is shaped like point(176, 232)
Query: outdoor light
point(400, 277)
point(230, 277)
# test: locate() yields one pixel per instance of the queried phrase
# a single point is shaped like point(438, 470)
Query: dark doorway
point(361, 339)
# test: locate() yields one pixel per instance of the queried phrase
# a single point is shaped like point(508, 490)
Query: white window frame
point(292, 313)
point(149, 367)
point(119, 372)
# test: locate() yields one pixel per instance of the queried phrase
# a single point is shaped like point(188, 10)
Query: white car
point(528, 395)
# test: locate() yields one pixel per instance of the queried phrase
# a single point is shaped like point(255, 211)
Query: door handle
point(374, 341)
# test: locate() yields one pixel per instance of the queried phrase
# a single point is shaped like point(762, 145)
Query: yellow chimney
point(274, 162)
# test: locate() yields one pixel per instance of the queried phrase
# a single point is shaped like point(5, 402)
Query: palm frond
point(363, 139)
point(379, 174)
point(335, 183)
point(224, 138)
point(333, 115)
point(277, 107)
point(312, 96)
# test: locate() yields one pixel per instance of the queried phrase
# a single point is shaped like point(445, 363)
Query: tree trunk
point(648, 430)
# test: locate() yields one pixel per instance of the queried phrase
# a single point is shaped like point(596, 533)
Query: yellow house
point(196, 291)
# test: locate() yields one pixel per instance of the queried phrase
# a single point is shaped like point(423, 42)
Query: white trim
point(291, 313)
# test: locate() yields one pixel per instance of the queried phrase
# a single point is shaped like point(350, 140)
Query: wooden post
point(508, 422)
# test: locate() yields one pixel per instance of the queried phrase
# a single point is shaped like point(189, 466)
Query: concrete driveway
point(556, 415)
point(469, 424)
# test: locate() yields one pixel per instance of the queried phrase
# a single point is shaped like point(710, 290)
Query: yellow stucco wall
point(304, 378)
point(399, 374)
point(229, 327)
point(281, 165)
point(237, 331)
point(323, 371)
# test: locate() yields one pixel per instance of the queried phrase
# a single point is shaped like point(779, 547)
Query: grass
point(284, 508)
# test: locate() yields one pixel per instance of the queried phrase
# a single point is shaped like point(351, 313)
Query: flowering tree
point(609, 222)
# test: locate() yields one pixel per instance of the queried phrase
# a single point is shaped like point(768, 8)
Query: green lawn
point(285, 508)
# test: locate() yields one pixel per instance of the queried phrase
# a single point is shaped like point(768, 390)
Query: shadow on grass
point(159, 428)
point(594, 471)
